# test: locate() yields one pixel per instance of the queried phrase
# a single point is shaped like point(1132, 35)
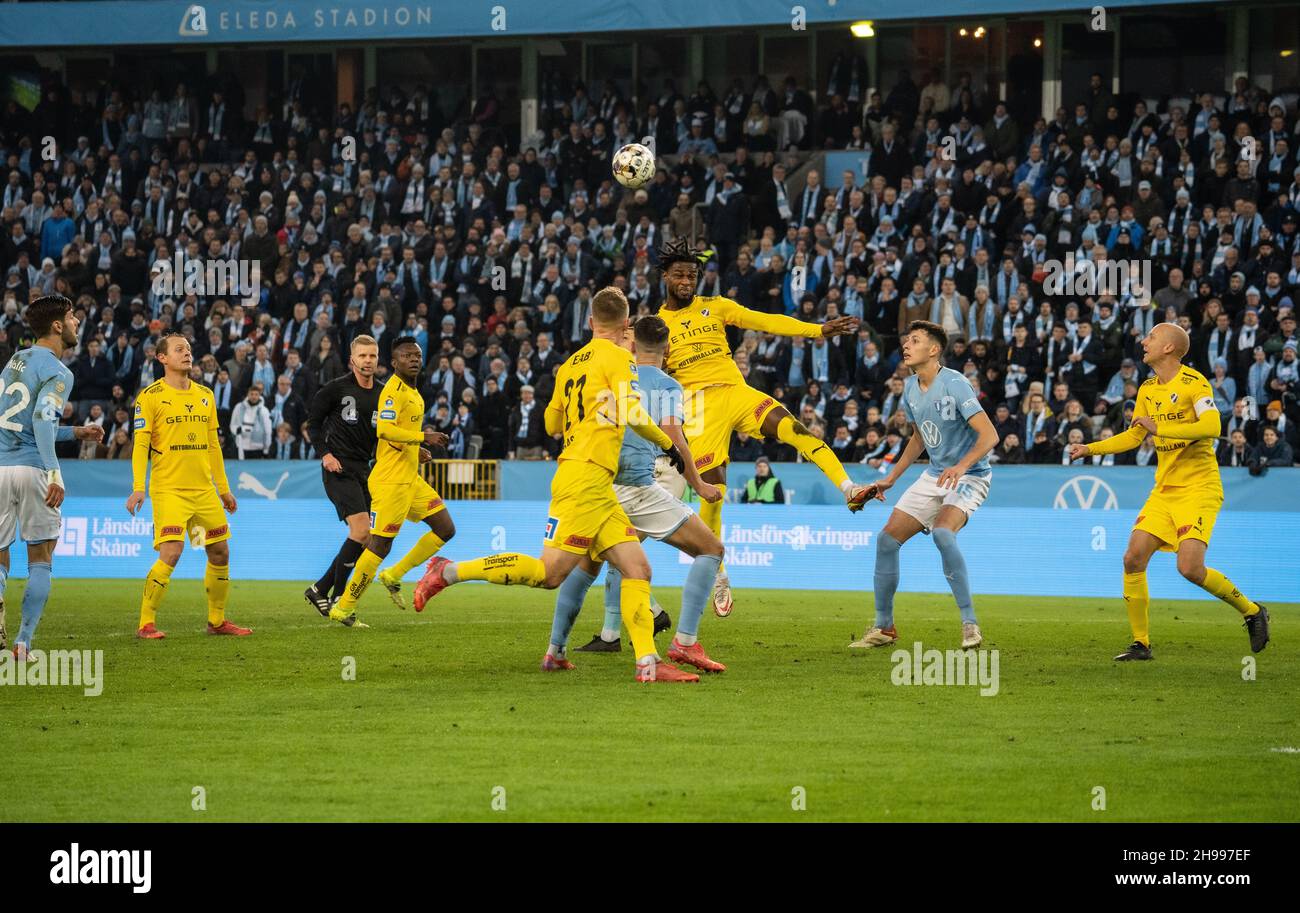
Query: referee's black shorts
point(347, 490)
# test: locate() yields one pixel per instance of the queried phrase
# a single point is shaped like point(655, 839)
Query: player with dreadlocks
point(717, 399)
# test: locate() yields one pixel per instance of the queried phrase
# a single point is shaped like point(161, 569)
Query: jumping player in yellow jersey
point(176, 425)
point(1176, 405)
point(397, 493)
point(596, 397)
point(717, 400)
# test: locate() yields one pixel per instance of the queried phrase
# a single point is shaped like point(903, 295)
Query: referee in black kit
point(342, 425)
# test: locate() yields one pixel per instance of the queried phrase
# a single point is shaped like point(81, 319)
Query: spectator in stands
point(527, 427)
point(1235, 451)
point(250, 422)
point(1271, 451)
point(764, 487)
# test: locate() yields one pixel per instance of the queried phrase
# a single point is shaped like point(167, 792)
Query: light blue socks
point(568, 603)
point(695, 596)
point(35, 595)
point(886, 578)
point(954, 568)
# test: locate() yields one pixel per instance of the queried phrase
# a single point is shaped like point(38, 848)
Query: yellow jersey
point(596, 396)
point(1181, 401)
point(698, 354)
point(400, 432)
point(177, 431)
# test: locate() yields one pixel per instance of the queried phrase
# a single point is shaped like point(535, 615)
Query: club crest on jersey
point(704, 312)
point(203, 400)
point(1173, 397)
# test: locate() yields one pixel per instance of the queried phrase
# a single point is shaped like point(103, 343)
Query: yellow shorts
point(585, 517)
point(392, 505)
point(710, 414)
point(1175, 514)
point(196, 515)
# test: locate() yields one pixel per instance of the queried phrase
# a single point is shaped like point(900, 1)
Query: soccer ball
point(634, 166)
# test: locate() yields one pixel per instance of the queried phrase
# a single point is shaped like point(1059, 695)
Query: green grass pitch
point(450, 705)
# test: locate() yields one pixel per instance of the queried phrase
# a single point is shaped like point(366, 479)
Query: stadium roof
point(53, 25)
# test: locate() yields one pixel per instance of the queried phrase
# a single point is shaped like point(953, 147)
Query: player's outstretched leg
point(951, 519)
point(216, 583)
point(787, 429)
point(504, 569)
point(568, 603)
point(1191, 564)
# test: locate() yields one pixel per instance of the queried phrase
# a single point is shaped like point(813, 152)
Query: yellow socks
point(216, 583)
point(813, 449)
point(1217, 585)
point(362, 574)
point(711, 514)
point(1137, 601)
point(506, 569)
point(634, 606)
point(155, 587)
point(421, 552)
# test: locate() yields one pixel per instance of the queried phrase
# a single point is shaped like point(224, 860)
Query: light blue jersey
point(662, 398)
point(33, 388)
point(942, 416)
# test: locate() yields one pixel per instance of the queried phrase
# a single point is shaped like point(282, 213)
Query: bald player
point(1176, 405)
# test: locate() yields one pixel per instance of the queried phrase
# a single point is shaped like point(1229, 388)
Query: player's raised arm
point(1131, 437)
point(780, 325)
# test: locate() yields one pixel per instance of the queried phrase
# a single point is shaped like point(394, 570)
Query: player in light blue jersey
point(950, 424)
point(33, 388)
point(655, 513)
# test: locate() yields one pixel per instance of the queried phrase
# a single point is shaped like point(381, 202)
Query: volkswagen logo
point(1081, 493)
point(930, 433)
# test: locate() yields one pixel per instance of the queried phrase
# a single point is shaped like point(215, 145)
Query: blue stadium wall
point(1045, 531)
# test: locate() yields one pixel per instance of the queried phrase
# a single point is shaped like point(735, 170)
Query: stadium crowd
point(488, 253)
